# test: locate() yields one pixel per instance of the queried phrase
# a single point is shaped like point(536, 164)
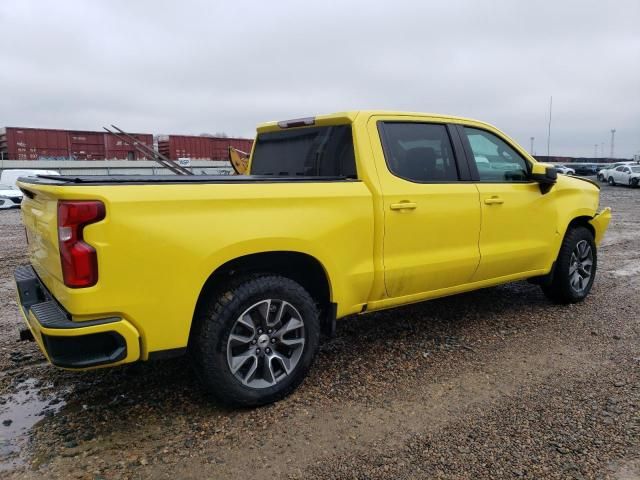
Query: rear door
point(518, 220)
point(431, 209)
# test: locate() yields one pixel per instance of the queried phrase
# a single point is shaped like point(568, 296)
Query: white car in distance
point(10, 197)
point(563, 169)
point(624, 175)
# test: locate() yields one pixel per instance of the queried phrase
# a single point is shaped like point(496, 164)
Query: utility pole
point(549, 132)
point(595, 151)
point(532, 139)
point(613, 135)
point(602, 148)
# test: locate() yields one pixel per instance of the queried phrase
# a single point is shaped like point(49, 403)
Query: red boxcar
point(33, 143)
point(201, 148)
point(46, 144)
point(121, 150)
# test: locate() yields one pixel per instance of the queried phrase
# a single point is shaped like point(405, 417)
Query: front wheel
point(254, 342)
point(612, 182)
point(634, 182)
point(575, 268)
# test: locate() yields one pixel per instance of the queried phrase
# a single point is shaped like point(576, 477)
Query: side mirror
point(544, 174)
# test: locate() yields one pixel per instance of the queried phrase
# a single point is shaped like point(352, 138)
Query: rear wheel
point(254, 342)
point(575, 268)
point(633, 182)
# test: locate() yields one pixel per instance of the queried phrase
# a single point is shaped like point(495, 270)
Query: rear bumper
point(72, 344)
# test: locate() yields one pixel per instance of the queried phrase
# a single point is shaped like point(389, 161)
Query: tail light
point(79, 260)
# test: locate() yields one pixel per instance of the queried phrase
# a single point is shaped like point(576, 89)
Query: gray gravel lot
point(497, 383)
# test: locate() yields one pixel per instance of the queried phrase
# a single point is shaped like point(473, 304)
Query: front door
point(518, 220)
point(432, 216)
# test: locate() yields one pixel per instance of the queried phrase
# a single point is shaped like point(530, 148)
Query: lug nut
point(273, 340)
point(270, 331)
point(268, 350)
point(259, 331)
point(254, 341)
point(257, 350)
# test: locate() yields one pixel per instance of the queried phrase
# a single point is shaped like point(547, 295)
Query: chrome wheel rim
point(581, 266)
point(266, 343)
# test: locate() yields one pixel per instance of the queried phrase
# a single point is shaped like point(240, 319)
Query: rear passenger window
point(419, 152)
point(496, 161)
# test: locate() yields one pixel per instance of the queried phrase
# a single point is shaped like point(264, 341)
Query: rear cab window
point(309, 151)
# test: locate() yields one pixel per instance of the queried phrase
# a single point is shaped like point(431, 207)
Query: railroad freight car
point(200, 148)
point(48, 144)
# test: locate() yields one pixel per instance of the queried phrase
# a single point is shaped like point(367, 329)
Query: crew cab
point(338, 215)
point(624, 175)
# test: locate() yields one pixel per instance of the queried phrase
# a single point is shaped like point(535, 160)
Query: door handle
point(404, 206)
point(493, 201)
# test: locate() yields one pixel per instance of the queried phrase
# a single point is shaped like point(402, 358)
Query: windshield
point(313, 151)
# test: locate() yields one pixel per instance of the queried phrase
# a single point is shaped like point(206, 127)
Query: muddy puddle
point(20, 410)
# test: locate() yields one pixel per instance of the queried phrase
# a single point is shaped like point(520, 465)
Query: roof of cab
point(350, 116)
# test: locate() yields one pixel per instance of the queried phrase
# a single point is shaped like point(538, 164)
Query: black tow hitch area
point(26, 335)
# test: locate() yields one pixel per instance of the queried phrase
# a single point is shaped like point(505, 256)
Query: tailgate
point(40, 217)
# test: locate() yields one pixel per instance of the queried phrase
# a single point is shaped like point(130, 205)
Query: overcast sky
point(212, 66)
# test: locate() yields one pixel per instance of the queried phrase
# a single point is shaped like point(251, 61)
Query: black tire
point(213, 325)
point(600, 178)
point(634, 183)
point(560, 288)
point(612, 182)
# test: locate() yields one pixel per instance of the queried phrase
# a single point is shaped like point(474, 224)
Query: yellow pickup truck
point(341, 214)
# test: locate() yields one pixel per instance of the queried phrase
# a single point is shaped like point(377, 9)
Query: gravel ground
point(497, 383)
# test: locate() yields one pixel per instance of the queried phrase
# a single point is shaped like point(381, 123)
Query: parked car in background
point(10, 197)
point(605, 173)
point(624, 175)
point(585, 169)
point(565, 170)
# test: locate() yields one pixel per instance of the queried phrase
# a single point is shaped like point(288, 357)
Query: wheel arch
point(301, 267)
point(581, 221)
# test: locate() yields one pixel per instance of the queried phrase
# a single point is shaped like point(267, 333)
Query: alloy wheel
point(266, 343)
point(581, 266)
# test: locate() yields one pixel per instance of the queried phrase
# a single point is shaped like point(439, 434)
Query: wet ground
point(497, 383)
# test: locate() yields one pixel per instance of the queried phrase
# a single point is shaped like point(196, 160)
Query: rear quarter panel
point(159, 243)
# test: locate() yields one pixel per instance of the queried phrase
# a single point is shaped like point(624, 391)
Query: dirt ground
point(497, 383)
